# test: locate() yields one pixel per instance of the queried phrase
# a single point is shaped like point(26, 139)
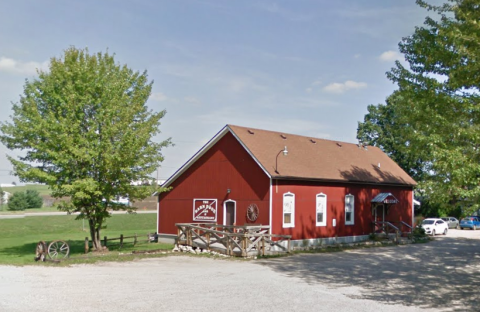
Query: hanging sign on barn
point(205, 210)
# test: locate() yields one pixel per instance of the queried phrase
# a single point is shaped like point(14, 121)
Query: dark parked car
point(472, 222)
point(453, 223)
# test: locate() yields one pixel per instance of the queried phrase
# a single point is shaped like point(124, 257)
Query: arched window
point(349, 209)
point(321, 210)
point(288, 210)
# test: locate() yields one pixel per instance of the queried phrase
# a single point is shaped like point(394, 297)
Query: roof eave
point(278, 177)
point(205, 148)
point(196, 156)
point(250, 153)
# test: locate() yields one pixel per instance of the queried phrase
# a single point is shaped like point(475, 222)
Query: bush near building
point(25, 200)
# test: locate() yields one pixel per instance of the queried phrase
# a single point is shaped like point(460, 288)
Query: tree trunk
point(95, 234)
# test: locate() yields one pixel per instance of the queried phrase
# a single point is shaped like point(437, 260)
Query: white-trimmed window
point(321, 210)
point(288, 210)
point(349, 209)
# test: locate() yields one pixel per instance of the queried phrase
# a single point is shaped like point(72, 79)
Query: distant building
point(7, 185)
point(5, 197)
point(316, 190)
point(147, 182)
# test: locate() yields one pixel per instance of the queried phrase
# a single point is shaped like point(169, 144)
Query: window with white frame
point(321, 210)
point(288, 210)
point(349, 209)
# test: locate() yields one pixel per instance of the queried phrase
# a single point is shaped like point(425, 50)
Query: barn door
point(229, 218)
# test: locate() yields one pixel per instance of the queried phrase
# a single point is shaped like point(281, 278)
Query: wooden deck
point(240, 241)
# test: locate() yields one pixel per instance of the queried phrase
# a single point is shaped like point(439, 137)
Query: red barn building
point(319, 191)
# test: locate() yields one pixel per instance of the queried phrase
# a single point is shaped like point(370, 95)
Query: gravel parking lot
point(438, 276)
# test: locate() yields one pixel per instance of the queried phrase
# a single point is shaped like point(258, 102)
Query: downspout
point(270, 208)
point(158, 214)
point(413, 209)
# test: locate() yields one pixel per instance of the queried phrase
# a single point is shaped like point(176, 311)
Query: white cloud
point(17, 67)
point(345, 86)
point(158, 96)
point(192, 100)
point(389, 56)
point(290, 15)
point(313, 85)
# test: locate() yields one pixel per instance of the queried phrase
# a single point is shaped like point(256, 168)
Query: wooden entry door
point(379, 216)
point(230, 213)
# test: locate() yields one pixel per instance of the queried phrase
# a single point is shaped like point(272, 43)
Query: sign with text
point(205, 210)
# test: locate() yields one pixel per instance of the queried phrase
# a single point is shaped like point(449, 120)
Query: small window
point(321, 210)
point(349, 209)
point(288, 210)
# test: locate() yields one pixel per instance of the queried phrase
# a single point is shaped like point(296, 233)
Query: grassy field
point(19, 237)
point(41, 189)
point(4, 210)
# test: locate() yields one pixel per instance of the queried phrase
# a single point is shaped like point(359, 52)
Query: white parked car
point(434, 226)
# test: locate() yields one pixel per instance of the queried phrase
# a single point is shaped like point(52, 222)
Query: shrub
point(18, 201)
point(34, 199)
point(25, 200)
point(418, 234)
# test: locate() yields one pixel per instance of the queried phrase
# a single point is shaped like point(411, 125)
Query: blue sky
point(307, 67)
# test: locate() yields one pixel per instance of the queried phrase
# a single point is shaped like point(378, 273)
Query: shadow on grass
point(29, 249)
point(25, 253)
point(20, 250)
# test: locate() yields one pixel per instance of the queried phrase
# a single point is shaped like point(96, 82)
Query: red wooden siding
point(224, 166)
point(305, 208)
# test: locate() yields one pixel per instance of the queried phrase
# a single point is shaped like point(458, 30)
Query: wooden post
point(288, 245)
point(134, 239)
point(263, 245)
point(86, 245)
point(244, 246)
point(105, 241)
point(189, 235)
point(148, 238)
point(121, 240)
point(208, 240)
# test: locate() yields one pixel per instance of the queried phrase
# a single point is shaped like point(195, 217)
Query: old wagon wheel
point(252, 212)
point(41, 251)
point(58, 249)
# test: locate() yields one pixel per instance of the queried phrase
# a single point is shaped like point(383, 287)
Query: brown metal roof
point(319, 159)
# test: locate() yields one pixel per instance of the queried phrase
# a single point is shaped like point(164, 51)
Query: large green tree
point(85, 130)
point(384, 127)
point(438, 103)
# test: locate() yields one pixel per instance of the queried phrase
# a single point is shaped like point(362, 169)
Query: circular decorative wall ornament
point(252, 212)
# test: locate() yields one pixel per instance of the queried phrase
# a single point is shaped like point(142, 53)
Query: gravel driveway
point(442, 275)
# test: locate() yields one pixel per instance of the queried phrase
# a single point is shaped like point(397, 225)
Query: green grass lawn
point(41, 189)
point(4, 210)
point(19, 237)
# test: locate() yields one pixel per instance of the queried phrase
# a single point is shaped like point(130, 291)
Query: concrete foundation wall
point(326, 241)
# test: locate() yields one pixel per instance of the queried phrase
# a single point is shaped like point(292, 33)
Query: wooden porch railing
point(406, 225)
point(387, 228)
point(232, 240)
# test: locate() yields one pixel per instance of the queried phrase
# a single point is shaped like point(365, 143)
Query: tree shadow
point(441, 274)
point(357, 174)
point(77, 247)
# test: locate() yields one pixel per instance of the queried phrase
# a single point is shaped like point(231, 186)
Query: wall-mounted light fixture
point(228, 191)
point(285, 153)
